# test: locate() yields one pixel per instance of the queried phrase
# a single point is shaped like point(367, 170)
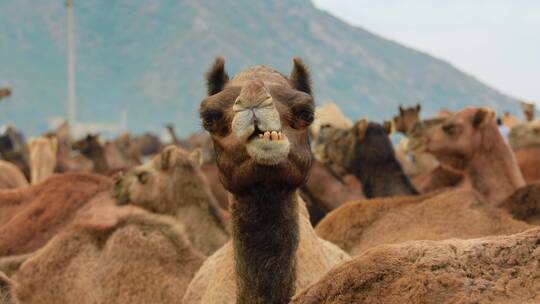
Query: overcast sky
point(497, 41)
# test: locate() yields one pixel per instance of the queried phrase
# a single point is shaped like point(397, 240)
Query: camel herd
point(276, 202)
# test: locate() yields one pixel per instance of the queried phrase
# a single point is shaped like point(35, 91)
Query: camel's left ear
point(168, 157)
point(197, 157)
point(418, 107)
point(300, 78)
point(482, 117)
point(216, 77)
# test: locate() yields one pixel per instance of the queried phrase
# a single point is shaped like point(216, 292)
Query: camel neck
point(97, 155)
point(383, 178)
point(265, 238)
point(493, 170)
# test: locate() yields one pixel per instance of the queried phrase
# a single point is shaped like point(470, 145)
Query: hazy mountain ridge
point(148, 57)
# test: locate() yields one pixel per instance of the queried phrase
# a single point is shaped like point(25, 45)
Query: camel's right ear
point(401, 111)
point(168, 157)
point(216, 77)
point(300, 77)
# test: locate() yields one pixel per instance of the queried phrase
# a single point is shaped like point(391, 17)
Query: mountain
point(148, 57)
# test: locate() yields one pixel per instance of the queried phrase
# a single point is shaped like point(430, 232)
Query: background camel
point(42, 155)
point(263, 156)
point(365, 151)
point(528, 109)
point(11, 176)
point(329, 114)
point(173, 184)
point(406, 123)
point(4, 92)
point(31, 216)
point(117, 255)
point(495, 269)
point(359, 226)
point(470, 141)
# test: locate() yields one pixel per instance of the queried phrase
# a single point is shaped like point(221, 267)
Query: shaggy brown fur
point(263, 181)
point(30, 216)
point(495, 269)
point(42, 156)
point(11, 176)
point(358, 226)
point(119, 255)
point(470, 141)
point(524, 204)
point(173, 184)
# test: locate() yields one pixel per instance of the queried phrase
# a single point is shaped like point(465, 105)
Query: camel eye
point(210, 118)
point(142, 177)
point(303, 115)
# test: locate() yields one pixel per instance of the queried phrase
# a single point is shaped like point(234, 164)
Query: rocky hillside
point(148, 58)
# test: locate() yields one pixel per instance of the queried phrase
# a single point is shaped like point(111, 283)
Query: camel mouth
point(268, 147)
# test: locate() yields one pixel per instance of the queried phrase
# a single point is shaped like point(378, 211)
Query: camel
point(13, 149)
point(358, 226)
point(510, 120)
point(11, 176)
point(329, 114)
point(325, 190)
point(4, 92)
point(524, 204)
point(529, 110)
point(258, 122)
point(31, 216)
point(470, 141)
point(111, 254)
point(493, 269)
point(42, 156)
point(173, 184)
point(528, 161)
point(366, 151)
point(90, 147)
point(406, 123)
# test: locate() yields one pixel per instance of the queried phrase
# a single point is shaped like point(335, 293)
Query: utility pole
point(71, 94)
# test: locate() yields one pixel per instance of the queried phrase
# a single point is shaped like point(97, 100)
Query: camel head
point(258, 122)
point(364, 143)
point(528, 110)
point(4, 92)
point(87, 145)
point(156, 184)
point(456, 139)
point(407, 118)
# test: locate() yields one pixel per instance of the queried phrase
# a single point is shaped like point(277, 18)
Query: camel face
point(87, 144)
point(147, 184)
point(365, 142)
point(258, 122)
point(455, 140)
point(407, 118)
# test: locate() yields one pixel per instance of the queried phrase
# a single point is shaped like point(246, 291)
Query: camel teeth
point(274, 135)
point(266, 135)
point(260, 135)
